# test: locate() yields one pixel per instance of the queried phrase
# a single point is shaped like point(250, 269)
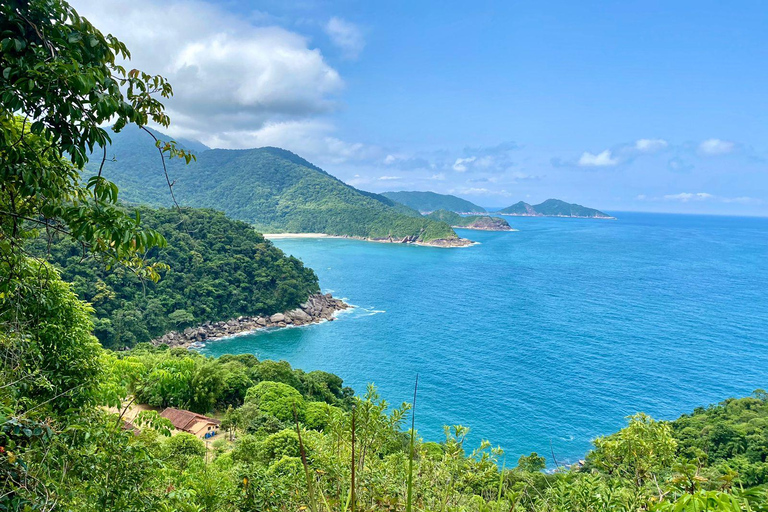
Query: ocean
point(544, 338)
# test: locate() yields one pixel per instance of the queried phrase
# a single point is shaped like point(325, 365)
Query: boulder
point(300, 315)
point(277, 318)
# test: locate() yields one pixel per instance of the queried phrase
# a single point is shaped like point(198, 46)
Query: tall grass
point(409, 499)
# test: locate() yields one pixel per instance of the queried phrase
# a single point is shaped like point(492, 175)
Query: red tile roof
point(184, 420)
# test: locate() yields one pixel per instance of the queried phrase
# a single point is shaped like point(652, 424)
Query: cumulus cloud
point(650, 145)
point(228, 74)
point(347, 36)
point(716, 147)
point(312, 139)
point(461, 163)
point(604, 159)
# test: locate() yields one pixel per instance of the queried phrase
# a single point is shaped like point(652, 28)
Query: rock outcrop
point(316, 309)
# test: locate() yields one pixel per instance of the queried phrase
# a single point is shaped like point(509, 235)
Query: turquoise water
point(553, 333)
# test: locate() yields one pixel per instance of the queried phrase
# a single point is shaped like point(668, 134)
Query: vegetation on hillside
point(553, 208)
point(273, 189)
point(431, 201)
point(217, 269)
point(483, 222)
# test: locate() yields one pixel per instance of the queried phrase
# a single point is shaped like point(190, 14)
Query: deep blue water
point(553, 333)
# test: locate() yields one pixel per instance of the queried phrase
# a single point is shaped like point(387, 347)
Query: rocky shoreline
point(438, 242)
point(316, 309)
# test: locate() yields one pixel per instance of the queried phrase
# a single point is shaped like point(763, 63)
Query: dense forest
point(553, 208)
point(426, 202)
point(217, 269)
point(290, 440)
point(273, 189)
point(484, 222)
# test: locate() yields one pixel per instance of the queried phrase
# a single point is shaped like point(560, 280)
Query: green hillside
point(481, 222)
point(553, 208)
point(431, 201)
point(219, 269)
point(272, 189)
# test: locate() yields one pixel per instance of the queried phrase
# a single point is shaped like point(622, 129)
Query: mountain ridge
point(273, 189)
point(428, 202)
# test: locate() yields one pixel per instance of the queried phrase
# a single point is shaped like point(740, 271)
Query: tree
point(59, 84)
point(637, 452)
point(531, 463)
point(277, 399)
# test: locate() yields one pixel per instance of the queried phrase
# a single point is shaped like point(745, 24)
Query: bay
point(544, 338)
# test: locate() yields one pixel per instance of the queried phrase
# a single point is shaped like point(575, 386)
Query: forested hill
point(219, 269)
point(553, 208)
point(427, 202)
point(481, 222)
point(270, 188)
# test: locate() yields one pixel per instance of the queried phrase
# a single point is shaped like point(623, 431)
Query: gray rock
point(277, 317)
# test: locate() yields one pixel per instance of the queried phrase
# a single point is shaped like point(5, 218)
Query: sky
point(618, 105)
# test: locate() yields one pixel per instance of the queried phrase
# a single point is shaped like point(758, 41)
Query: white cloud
point(461, 163)
point(604, 159)
point(688, 196)
point(228, 75)
point(311, 139)
point(347, 36)
point(390, 159)
point(650, 145)
point(716, 147)
point(439, 176)
point(387, 178)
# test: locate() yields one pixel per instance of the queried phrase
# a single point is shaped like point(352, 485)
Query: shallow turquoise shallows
point(552, 334)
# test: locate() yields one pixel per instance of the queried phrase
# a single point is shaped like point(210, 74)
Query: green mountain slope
point(219, 269)
point(431, 202)
point(481, 222)
point(270, 188)
point(553, 208)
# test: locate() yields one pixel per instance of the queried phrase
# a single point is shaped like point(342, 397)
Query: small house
point(191, 422)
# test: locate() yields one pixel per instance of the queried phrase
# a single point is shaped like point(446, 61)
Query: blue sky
point(653, 106)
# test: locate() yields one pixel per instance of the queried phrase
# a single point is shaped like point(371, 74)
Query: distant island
point(553, 208)
point(428, 202)
point(480, 222)
point(272, 189)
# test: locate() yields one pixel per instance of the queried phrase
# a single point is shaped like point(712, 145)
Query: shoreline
point(316, 309)
point(439, 242)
